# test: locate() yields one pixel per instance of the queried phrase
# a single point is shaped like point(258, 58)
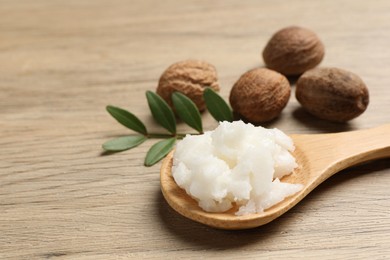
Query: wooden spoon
point(319, 156)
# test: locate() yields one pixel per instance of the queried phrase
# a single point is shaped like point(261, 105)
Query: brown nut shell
point(293, 50)
point(189, 77)
point(260, 95)
point(332, 94)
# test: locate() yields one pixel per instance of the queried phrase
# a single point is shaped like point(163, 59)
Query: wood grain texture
point(62, 62)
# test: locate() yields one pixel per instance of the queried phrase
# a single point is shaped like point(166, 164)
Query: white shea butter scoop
point(318, 156)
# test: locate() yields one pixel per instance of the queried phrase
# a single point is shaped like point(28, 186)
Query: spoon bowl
point(318, 156)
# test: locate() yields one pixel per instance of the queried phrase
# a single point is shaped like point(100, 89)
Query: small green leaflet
point(159, 150)
point(217, 107)
point(123, 143)
point(161, 111)
point(127, 119)
point(187, 111)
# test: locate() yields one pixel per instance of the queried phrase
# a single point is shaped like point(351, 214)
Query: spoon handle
point(334, 152)
point(364, 145)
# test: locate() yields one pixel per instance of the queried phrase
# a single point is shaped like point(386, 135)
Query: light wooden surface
point(62, 62)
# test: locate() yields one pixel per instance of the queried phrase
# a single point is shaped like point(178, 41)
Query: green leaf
point(127, 119)
point(187, 111)
point(161, 111)
point(217, 107)
point(159, 150)
point(123, 143)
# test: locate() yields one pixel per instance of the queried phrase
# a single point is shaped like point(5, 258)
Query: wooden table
point(62, 62)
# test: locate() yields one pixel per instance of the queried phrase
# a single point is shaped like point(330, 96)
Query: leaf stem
point(156, 135)
point(159, 136)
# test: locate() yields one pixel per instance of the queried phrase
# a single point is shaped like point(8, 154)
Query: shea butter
point(235, 164)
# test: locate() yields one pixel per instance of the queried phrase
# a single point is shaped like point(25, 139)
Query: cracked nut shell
point(332, 94)
point(260, 95)
point(189, 77)
point(293, 50)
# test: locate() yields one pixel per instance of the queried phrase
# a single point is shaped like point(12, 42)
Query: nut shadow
point(324, 126)
point(293, 80)
point(266, 124)
point(206, 238)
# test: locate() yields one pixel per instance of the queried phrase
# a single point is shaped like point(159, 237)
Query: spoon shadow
point(206, 237)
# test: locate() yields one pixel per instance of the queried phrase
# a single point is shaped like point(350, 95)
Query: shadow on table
point(312, 122)
point(205, 237)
